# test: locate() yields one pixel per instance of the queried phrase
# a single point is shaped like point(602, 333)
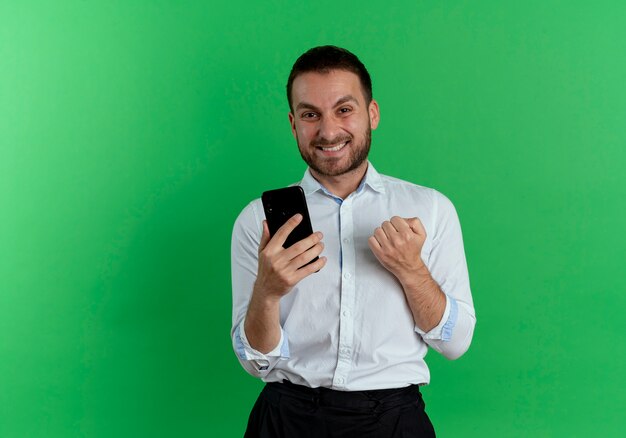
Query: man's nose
point(329, 128)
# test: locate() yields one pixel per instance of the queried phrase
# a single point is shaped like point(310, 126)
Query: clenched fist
point(397, 244)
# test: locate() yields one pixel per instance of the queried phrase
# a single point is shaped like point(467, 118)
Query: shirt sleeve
point(448, 267)
point(244, 262)
point(254, 362)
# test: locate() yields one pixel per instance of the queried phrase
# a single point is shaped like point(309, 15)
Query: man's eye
point(344, 110)
point(308, 115)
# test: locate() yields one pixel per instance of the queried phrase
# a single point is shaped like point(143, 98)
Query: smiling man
point(341, 342)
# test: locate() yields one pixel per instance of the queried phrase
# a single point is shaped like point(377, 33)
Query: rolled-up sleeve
point(244, 262)
point(253, 361)
point(448, 267)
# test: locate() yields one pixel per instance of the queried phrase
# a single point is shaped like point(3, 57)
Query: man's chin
point(336, 168)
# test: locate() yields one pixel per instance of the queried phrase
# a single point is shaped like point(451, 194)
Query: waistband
point(344, 399)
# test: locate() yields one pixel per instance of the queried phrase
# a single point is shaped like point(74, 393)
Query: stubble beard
point(328, 166)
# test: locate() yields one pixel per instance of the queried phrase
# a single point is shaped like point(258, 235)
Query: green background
point(133, 132)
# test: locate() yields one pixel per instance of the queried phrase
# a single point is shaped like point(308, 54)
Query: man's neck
point(344, 184)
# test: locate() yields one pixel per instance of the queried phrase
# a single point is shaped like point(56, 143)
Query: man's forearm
point(425, 298)
point(262, 324)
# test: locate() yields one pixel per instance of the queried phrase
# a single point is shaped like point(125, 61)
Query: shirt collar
point(372, 179)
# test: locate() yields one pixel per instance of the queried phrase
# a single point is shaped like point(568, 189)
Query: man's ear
point(374, 113)
point(292, 122)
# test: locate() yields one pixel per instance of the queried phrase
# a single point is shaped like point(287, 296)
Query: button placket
point(348, 289)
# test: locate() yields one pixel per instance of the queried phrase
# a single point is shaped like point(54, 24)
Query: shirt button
point(347, 276)
point(346, 313)
point(340, 380)
point(346, 240)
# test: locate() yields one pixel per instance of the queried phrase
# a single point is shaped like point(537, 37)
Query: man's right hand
point(280, 269)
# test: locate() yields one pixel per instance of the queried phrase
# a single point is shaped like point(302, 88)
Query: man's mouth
point(335, 148)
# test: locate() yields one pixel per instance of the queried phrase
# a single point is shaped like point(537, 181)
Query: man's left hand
point(397, 244)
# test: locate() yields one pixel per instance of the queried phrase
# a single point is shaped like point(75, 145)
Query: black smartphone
point(280, 205)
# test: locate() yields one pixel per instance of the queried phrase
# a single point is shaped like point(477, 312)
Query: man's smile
point(335, 148)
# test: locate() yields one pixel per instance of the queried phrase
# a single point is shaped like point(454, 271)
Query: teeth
point(336, 148)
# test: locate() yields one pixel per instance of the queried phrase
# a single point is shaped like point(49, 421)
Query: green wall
point(133, 132)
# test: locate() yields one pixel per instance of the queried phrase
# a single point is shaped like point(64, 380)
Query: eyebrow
point(340, 101)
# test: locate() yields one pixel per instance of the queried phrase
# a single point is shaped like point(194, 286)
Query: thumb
point(265, 237)
point(416, 225)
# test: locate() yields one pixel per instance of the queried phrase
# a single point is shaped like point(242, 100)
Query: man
point(341, 342)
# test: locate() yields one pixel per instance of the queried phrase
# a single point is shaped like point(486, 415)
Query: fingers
point(397, 231)
point(395, 227)
point(307, 270)
point(284, 262)
point(307, 255)
point(302, 245)
point(397, 244)
point(297, 268)
point(380, 236)
point(283, 232)
point(374, 244)
point(400, 224)
point(389, 229)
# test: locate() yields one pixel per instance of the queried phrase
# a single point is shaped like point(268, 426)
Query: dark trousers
point(285, 410)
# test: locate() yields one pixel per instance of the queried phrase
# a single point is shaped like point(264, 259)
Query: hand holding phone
point(279, 270)
point(286, 255)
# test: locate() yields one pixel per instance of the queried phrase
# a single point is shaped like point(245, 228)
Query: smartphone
point(282, 204)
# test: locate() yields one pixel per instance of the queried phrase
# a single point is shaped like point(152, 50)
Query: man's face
point(331, 121)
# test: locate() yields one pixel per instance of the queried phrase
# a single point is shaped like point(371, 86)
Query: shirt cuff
point(443, 330)
point(261, 360)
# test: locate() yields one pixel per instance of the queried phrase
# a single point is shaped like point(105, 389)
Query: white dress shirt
point(348, 327)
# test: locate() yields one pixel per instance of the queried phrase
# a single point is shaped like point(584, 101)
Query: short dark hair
point(324, 59)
